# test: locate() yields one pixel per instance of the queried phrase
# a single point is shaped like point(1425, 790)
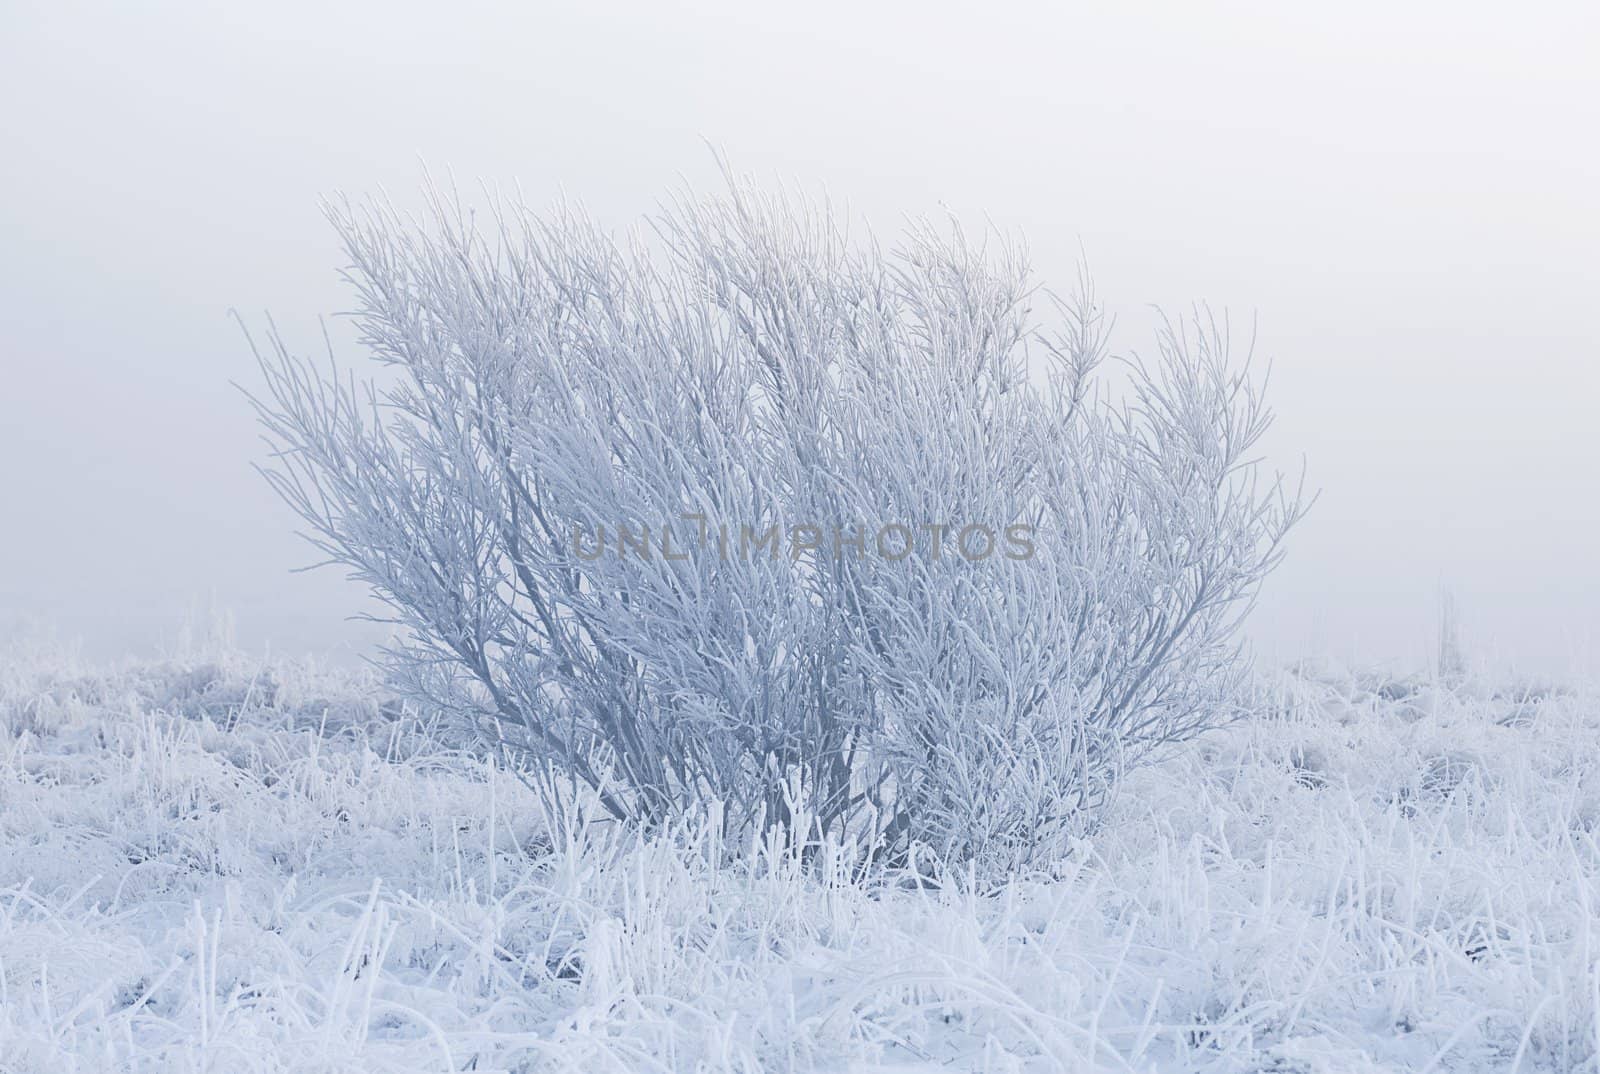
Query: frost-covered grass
point(215, 865)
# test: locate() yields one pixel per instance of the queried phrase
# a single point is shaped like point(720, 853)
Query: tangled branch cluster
point(742, 360)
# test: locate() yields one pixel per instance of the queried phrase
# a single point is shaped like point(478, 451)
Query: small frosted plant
point(736, 514)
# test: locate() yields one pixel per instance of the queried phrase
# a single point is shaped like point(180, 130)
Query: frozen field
point(212, 865)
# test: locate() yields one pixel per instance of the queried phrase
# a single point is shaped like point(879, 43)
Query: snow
point(219, 864)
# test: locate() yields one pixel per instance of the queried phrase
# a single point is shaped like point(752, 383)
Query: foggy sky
point(1402, 198)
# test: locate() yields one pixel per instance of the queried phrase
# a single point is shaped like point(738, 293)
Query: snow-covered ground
point(210, 864)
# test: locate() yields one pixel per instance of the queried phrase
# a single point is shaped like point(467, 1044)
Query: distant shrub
point(641, 505)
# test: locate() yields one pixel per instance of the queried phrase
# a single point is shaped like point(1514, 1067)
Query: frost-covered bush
point(736, 511)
